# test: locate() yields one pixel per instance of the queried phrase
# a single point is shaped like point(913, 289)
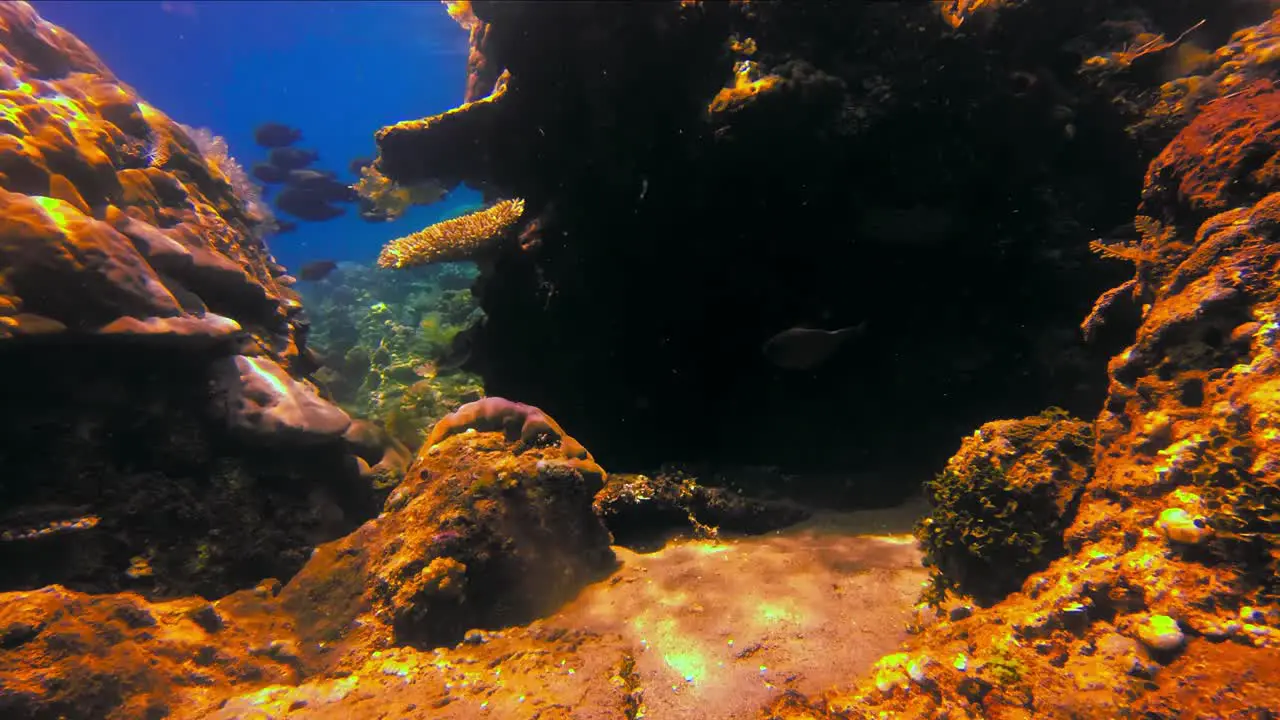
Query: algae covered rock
point(1002, 503)
point(644, 510)
point(486, 529)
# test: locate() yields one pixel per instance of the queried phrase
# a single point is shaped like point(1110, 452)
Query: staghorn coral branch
point(462, 238)
point(1130, 252)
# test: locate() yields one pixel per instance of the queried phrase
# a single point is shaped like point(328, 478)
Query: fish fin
point(853, 330)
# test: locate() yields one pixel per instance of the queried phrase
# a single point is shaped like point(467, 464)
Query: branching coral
point(462, 238)
point(461, 12)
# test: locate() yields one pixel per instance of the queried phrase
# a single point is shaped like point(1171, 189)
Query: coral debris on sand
point(485, 531)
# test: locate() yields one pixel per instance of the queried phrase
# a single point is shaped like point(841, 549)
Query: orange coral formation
point(118, 657)
point(956, 12)
point(507, 533)
point(1221, 160)
point(521, 422)
point(1169, 581)
point(462, 238)
point(391, 199)
point(747, 85)
point(114, 154)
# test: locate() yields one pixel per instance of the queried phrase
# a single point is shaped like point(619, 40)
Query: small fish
point(269, 173)
point(316, 270)
point(274, 135)
point(322, 183)
point(459, 352)
point(292, 158)
point(800, 348)
point(306, 205)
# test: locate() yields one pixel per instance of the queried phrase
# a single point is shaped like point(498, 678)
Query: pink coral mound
point(518, 421)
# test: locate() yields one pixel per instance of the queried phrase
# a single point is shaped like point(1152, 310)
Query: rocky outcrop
point(482, 533)
point(699, 176)
point(486, 530)
point(645, 511)
point(1165, 604)
point(71, 655)
point(161, 430)
point(1003, 502)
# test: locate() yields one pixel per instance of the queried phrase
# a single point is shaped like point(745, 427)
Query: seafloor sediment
point(1123, 565)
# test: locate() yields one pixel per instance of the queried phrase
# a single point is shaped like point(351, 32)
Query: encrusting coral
point(142, 319)
point(1002, 503)
point(523, 423)
point(1164, 603)
point(467, 237)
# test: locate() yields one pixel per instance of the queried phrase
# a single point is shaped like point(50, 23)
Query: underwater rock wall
point(161, 432)
point(1166, 603)
point(487, 530)
point(698, 176)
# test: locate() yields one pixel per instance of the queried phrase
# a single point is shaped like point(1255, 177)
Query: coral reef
point(66, 654)
point(394, 344)
point(1164, 604)
point(475, 536)
point(642, 510)
point(161, 430)
point(469, 237)
point(1002, 503)
point(167, 436)
point(703, 175)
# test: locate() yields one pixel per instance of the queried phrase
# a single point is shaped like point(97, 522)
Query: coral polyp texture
point(520, 422)
point(165, 436)
point(469, 237)
point(1002, 503)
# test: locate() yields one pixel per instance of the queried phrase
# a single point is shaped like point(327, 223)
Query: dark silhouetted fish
point(306, 205)
point(459, 352)
point(276, 135)
point(307, 179)
point(292, 158)
point(806, 348)
point(285, 226)
point(316, 270)
point(268, 173)
point(322, 183)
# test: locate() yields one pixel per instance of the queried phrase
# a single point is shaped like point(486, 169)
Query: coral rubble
point(641, 510)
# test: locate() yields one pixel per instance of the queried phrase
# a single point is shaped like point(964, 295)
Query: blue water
point(336, 70)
